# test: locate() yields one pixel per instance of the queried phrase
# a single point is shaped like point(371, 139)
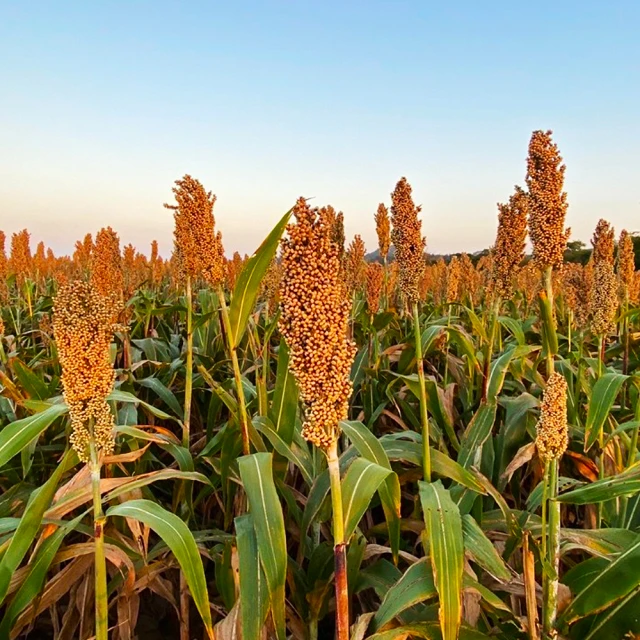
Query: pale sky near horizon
point(104, 104)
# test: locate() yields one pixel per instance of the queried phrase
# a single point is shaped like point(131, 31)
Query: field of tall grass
point(305, 444)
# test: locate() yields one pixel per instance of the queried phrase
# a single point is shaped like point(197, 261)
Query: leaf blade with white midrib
point(446, 551)
point(180, 540)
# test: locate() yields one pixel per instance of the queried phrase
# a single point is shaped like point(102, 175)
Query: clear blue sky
point(104, 103)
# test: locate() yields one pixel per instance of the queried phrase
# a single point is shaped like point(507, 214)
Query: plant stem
point(424, 414)
point(548, 286)
point(550, 604)
point(102, 613)
point(339, 545)
point(495, 312)
point(233, 352)
point(188, 384)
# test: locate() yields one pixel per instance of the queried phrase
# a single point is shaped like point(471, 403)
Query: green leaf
point(34, 581)
point(446, 550)
point(257, 478)
point(30, 522)
point(164, 394)
point(499, 370)
point(17, 435)
point(284, 405)
point(248, 285)
point(180, 540)
point(441, 464)
point(124, 396)
point(369, 447)
point(29, 381)
point(625, 483)
point(482, 551)
point(291, 452)
point(415, 586)
point(476, 434)
point(598, 582)
point(514, 327)
point(254, 596)
point(358, 486)
point(603, 395)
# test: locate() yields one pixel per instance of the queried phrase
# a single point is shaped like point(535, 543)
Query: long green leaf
point(603, 395)
point(446, 550)
point(180, 540)
point(284, 405)
point(358, 486)
point(30, 523)
point(625, 483)
point(33, 583)
point(415, 586)
point(482, 551)
point(248, 285)
point(257, 478)
point(369, 447)
point(17, 435)
point(254, 596)
point(476, 434)
point(597, 583)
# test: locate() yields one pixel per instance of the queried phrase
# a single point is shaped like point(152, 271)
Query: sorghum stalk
point(237, 375)
point(493, 326)
point(339, 544)
point(188, 382)
point(101, 597)
point(424, 414)
point(409, 245)
point(551, 443)
point(314, 322)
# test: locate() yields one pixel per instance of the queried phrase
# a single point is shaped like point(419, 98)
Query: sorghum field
point(305, 444)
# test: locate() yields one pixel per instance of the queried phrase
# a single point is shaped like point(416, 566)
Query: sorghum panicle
point(603, 242)
point(508, 251)
point(107, 276)
point(453, 280)
point(547, 201)
point(354, 264)
point(83, 329)
point(603, 300)
point(626, 264)
point(552, 436)
point(198, 248)
point(374, 282)
point(314, 321)
point(407, 239)
point(383, 230)
point(20, 260)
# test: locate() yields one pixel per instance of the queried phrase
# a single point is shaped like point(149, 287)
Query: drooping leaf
point(603, 395)
point(248, 285)
point(446, 552)
point(180, 540)
point(257, 478)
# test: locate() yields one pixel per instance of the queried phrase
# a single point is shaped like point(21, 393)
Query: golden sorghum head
point(83, 328)
point(3, 268)
point(626, 260)
point(232, 269)
point(354, 264)
point(106, 275)
point(83, 254)
point(20, 260)
point(547, 201)
point(576, 288)
point(270, 285)
point(374, 275)
point(603, 300)
point(197, 246)
point(453, 280)
point(529, 280)
point(552, 436)
point(470, 278)
point(155, 266)
point(603, 242)
point(314, 321)
point(407, 239)
point(383, 229)
point(508, 251)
